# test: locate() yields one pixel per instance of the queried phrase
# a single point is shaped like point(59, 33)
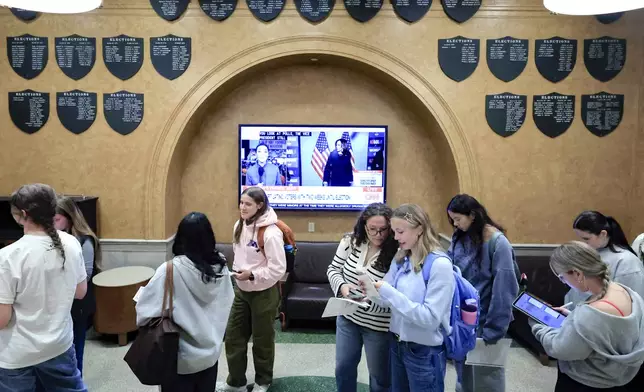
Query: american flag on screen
point(320, 155)
point(345, 136)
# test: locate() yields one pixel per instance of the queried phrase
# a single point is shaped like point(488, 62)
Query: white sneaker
point(261, 388)
point(223, 387)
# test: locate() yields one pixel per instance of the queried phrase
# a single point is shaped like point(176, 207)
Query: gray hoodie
point(595, 348)
point(200, 309)
point(625, 268)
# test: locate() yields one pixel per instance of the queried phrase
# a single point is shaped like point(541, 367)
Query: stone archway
point(160, 198)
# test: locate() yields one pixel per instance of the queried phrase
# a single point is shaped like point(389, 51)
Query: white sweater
point(201, 310)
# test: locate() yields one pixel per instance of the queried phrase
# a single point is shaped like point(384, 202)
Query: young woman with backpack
point(256, 273)
point(70, 219)
point(368, 250)
point(421, 308)
point(486, 259)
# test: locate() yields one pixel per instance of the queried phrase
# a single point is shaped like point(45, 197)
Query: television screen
point(315, 167)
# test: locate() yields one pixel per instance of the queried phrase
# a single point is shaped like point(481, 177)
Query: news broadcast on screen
point(315, 167)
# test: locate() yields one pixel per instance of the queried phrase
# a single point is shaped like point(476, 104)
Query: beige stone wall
point(183, 156)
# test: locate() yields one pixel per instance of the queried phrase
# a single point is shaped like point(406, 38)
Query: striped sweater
point(347, 262)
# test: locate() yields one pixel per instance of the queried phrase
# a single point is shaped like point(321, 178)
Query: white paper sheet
point(493, 355)
point(368, 284)
point(342, 306)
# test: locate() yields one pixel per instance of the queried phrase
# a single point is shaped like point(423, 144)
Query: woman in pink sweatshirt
point(256, 301)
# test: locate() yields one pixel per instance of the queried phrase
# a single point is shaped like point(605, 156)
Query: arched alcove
point(200, 139)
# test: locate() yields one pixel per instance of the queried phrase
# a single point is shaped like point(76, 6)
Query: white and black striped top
point(344, 269)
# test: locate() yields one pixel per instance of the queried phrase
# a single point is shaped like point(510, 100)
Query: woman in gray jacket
point(599, 345)
point(203, 296)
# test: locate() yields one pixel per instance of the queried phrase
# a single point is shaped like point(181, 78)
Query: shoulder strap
point(260, 237)
point(429, 262)
point(168, 290)
point(611, 304)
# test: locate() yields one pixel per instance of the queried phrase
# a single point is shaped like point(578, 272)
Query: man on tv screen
point(338, 170)
point(263, 172)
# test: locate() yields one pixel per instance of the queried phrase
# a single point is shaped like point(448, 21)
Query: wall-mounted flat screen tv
point(315, 167)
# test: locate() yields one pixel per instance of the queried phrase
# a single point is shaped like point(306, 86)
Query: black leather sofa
point(306, 289)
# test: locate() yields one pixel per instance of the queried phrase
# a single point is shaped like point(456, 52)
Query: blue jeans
point(349, 338)
point(80, 332)
point(416, 367)
point(59, 374)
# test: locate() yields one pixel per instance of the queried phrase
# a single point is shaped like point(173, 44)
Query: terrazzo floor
point(304, 362)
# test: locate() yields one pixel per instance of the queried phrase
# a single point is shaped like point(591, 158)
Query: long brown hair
point(69, 209)
point(359, 236)
point(259, 196)
point(38, 201)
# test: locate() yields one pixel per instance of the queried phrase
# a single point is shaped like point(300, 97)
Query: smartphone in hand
point(356, 295)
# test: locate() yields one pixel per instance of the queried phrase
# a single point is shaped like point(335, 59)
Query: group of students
point(599, 346)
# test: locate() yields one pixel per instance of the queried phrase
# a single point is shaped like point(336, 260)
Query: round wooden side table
point(115, 308)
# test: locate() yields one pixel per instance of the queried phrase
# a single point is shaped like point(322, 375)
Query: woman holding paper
point(419, 309)
point(367, 250)
point(484, 255)
point(599, 345)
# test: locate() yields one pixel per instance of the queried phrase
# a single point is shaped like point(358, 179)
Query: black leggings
point(567, 384)
point(204, 381)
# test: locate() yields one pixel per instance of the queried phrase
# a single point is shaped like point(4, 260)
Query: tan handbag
point(153, 354)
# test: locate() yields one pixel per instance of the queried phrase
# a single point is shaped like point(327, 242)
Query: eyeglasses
point(374, 231)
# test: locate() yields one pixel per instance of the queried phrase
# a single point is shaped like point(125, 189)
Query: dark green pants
point(252, 314)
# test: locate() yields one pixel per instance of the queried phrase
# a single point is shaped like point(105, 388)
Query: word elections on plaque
point(123, 111)
point(123, 55)
point(24, 15)
point(75, 55)
point(458, 57)
point(170, 9)
point(461, 10)
point(170, 55)
point(505, 113)
point(553, 113)
point(265, 10)
point(28, 54)
point(363, 10)
point(604, 57)
point(507, 57)
point(411, 10)
point(609, 18)
point(76, 110)
point(315, 11)
point(602, 112)
point(218, 10)
point(555, 57)
point(29, 110)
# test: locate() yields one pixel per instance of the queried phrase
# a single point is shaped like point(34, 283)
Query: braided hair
point(579, 256)
point(38, 203)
